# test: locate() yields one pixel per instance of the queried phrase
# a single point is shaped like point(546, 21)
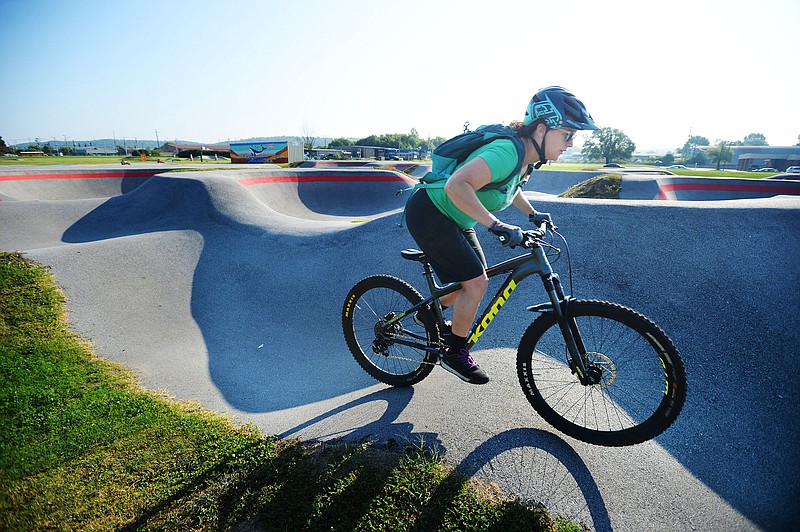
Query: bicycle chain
point(416, 361)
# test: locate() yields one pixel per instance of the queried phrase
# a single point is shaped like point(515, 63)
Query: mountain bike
point(595, 370)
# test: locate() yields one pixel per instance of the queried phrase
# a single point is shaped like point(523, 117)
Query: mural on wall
point(260, 152)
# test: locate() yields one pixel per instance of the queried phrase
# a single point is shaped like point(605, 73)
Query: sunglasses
point(569, 135)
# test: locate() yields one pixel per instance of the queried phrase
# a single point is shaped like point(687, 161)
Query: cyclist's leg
point(455, 256)
point(450, 299)
point(465, 306)
point(466, 301)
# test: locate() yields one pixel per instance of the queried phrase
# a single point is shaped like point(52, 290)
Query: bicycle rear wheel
point(369, 305)
point(641, 380)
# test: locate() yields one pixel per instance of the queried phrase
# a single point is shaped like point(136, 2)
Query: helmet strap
point(540, 150)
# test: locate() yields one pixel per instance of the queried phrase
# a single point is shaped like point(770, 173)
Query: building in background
point(281, 151)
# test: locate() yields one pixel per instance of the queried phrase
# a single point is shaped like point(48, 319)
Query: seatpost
point(429, 275)
point(437, 308)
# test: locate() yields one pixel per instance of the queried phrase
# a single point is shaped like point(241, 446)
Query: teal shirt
point(501, 157)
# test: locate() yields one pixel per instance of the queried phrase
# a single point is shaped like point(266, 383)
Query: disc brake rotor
point(603, 365)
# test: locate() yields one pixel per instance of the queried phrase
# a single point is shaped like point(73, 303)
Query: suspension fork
point(567, 324)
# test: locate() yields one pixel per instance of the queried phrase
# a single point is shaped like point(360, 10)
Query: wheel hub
point(381, 344)
point(601, 370)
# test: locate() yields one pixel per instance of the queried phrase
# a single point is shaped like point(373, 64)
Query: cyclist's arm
point(461, 187)
point(522, 203)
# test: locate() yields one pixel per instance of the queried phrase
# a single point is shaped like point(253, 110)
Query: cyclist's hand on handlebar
point(538, 218)
point(510, 235)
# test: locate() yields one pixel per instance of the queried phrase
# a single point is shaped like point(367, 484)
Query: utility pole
point(158, 144)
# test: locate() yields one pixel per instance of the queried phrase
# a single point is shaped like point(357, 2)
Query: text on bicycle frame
point(498, 302)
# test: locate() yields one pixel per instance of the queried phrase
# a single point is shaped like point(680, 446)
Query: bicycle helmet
point(557, 108)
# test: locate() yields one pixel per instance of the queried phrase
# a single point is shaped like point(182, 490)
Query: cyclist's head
point(556, 107)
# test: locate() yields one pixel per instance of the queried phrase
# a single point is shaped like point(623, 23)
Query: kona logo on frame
point(495, 307)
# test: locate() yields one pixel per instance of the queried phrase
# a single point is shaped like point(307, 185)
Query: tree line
point(607, 144)
point(403, 141)
point(47, 149)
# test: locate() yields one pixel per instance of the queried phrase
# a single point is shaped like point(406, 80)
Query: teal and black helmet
point(558, 108)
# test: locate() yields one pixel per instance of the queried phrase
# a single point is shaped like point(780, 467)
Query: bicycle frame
point(521, 267)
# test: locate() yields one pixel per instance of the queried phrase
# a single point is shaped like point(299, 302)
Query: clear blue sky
point(213, 71)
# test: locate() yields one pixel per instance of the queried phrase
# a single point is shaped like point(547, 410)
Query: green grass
point(82, 447)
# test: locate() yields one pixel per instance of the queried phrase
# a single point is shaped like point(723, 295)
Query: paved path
point(229, 293)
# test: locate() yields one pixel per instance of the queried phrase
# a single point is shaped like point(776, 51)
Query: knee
point(476, 287)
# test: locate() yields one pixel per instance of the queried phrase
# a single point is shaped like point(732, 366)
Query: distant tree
point(309, 136)
point(3, 147)
point(441, 140)
point(609, 144)
point(698, 159)
point(755, 139)
point(668, 159)
point(721, 153)
point(341, 142)
point(689, 149)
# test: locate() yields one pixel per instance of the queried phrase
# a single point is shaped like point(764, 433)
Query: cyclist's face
point(558, 140)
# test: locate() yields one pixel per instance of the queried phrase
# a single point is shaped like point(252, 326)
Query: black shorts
point(455, 254)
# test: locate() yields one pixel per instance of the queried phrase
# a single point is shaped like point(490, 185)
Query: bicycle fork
point(559, 304)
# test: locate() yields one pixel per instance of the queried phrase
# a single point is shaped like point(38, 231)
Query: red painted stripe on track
point(731, 188)
point(762, 188)
point(99, 175)
point(322, 178)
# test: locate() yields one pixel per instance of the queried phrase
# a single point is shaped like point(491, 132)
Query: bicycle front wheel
point(640, 377)
point(373, 335)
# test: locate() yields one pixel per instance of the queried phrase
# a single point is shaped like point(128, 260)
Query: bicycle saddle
point(413, 254)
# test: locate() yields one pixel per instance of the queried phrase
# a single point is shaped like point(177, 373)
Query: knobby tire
point(367, 306)
point(643, 387)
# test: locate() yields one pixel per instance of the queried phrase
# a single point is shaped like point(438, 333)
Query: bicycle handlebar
point(532, 236)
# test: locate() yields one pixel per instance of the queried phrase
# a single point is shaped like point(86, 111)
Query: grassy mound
point(605, 186)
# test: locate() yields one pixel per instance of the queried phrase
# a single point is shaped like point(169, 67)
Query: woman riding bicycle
point(442, 220)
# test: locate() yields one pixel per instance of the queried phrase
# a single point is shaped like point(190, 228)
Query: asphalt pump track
point(225, 287)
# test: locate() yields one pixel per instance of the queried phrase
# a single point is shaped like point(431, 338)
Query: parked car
point(612, 165)
point(676, 167)
point(793, 170)
point(766, 170)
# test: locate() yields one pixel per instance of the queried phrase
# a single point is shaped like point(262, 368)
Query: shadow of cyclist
point(539, 467)
point(534, 465)
point(372, 417)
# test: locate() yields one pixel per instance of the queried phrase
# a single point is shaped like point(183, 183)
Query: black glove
point(510, 235)
point(538, 217)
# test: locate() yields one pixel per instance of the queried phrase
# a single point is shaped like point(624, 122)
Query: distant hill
point(97, 143)
point(134, 143)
